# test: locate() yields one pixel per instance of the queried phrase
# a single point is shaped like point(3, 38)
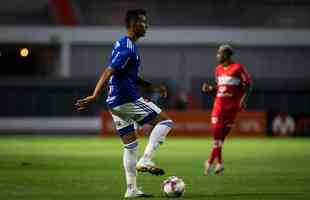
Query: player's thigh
point(149, 113)
point(129, 137)
point(162, 116)
point(228, 123)
point(217, 126)
point(124, 126)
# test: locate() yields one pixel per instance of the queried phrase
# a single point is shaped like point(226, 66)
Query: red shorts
point(221, 125)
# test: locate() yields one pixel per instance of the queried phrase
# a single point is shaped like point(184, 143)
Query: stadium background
point(67, 46)
point(69, 43)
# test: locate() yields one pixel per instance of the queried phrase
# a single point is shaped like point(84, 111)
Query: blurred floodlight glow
point(24, 52)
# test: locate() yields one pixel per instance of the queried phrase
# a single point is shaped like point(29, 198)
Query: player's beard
point(140, 34)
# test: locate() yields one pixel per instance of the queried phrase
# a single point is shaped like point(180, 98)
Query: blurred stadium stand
point(271, 38)
point(238, 13)
point(55, 97)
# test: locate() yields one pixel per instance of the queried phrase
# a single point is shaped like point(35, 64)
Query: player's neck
point(132, 36)
point(227, 63)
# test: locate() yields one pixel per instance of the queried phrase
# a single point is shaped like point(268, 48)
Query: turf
point(59, 168)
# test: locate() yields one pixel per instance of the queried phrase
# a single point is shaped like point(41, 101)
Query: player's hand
point(82, 104)
point(162, 90)
point(206, 88)
point(242, 104)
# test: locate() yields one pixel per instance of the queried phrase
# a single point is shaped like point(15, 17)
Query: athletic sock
point(219, 155)
point(216, 152)
point(130, 161)
point(212, 156)
point(156, 138)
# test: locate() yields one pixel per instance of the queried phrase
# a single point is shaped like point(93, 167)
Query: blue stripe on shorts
point(143, 106)
point(125, 130)
point(147, 119)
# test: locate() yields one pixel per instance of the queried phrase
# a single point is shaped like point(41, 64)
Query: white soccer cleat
point(219, 169)
point(145, 162)
point(148, 166)
point(133, 193)
point(208, 168)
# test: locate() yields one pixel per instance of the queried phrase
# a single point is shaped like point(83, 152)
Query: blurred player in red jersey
point(232, 89)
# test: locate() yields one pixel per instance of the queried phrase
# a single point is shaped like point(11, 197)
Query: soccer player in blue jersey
point(126, 104)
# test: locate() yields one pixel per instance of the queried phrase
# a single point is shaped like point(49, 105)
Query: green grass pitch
point(63, 168)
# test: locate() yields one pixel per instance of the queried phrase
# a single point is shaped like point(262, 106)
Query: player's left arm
point(247, 85)
point(162, 90)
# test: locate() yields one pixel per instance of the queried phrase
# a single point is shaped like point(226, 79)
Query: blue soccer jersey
point(125, 60)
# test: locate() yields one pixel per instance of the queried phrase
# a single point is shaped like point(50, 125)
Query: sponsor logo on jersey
point(228, 80)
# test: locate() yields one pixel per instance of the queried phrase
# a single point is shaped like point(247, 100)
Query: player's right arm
point(118, 61)
point(101, 84)
point(206, 87)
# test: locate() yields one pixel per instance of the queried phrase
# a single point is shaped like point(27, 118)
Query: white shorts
point(125, 116)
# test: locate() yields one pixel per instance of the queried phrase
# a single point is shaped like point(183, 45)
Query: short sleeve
point(120, 58)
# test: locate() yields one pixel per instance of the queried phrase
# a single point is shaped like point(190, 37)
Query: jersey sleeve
point(244, 75)
point(120, 58)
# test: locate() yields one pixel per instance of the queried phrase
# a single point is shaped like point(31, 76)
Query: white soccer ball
point(173, 187)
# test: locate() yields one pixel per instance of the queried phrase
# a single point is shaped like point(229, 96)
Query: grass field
point(42, 168)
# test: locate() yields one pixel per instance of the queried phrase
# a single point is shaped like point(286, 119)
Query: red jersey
point(231, 81)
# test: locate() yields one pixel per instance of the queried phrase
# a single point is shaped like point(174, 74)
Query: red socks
point(216, 152)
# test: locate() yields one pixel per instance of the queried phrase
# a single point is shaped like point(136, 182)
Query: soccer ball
point(173, 187)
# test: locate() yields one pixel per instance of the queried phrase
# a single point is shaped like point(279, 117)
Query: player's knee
point(168, 122)
point(217, 133)
point(163, 116)
point(128, 137)
point(217, 143)
point(131, 145)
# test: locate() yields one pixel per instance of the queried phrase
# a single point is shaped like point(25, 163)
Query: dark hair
point(227, 49)
point(132, 15)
